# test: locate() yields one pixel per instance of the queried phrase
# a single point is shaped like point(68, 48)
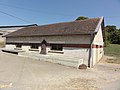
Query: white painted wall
point(10, 46)
point(48, 49)
point(71, 57)
point(98, 39)
point(97, 53)
point(72, 54)
point(25, 48)
point(39, 49)
point(77, 54)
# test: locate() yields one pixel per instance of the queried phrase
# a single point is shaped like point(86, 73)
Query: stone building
point(4, 30)
point(82, 40)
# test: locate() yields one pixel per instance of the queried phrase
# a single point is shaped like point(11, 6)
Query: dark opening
point(58, 47)
point(96, 46)
point(18, 45)
point(34, 46)
point(44, 42)
point(1, 33)
point(13, 52)
point(100, 46)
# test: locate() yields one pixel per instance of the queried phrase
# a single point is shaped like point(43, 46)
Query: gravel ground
point(19, 73)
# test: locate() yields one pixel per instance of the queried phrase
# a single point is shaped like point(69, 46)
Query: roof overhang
point(99, 24)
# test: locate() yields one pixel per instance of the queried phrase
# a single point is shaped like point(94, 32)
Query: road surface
point(20, 73)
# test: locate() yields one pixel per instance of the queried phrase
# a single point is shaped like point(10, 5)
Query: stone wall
point(74, 39)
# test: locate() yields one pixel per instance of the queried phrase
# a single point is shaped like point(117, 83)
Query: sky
point(23, 12)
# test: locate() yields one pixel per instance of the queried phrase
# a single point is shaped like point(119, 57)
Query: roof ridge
point(69, 22)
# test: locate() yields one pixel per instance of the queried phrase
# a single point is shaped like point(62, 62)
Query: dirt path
point(19, 73)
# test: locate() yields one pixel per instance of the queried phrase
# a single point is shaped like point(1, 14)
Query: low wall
point(77, 53)
point(25, 48)
point(10, 46)
point(67, 59)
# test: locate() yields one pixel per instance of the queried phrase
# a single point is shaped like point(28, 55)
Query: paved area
point(20, 73)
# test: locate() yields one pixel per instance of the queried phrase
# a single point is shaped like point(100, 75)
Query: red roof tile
point(66, 28)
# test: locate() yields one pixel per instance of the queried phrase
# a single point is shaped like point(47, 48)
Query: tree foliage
point(110, 29)
point(81, 18)
point(112, 35)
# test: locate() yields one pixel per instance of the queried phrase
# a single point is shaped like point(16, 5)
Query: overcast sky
point(54, 11)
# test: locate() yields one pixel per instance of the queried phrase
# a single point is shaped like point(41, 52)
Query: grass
point(113, 50)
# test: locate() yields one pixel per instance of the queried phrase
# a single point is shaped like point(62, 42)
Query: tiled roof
point(66, 28)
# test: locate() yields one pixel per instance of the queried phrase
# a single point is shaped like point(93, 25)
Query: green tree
point(107, 38)
point(112, 35)
point(81, 18)
point(110, 28)
point(115, 37)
